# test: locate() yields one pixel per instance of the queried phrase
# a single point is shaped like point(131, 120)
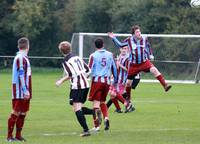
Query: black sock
point(81, 119)
point(109, 103)
point(125, 95)
point(88, 111)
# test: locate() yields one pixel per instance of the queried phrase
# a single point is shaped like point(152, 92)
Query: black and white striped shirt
point(77, 70)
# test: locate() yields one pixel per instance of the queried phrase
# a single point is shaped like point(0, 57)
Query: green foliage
point(46, 23)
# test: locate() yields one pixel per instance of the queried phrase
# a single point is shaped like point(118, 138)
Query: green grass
point(160, 118)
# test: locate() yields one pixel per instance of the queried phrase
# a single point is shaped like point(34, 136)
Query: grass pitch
point(160, 118)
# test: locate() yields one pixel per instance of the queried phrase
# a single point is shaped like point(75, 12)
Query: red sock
point(104, 110)
point(95, 120)
point(121, 98)
point(128, 91)
point(161, 79)
point(11, 123)
point(115, 101)
point(19, 125)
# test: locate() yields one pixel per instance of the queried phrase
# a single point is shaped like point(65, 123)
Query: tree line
point(46, 23)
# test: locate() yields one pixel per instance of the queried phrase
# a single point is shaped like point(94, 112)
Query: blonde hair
point(65, 47)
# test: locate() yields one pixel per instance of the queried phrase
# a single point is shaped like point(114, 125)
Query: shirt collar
point(22, 52)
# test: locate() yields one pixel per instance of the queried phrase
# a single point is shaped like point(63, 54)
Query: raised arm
point(116, 41)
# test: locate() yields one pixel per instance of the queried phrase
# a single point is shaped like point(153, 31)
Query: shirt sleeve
point(114, 70)
point(91, 62)
point(148, 48)
point(118, 43)
point(21, 72)
point(67, 70)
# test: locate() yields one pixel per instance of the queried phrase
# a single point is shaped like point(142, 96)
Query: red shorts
point(136, 68)
point(98, 91)
point(20, 105)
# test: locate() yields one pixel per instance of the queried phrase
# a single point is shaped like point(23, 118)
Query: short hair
point(65, 47)
point(23, 43)
point(134, 28)
point(99, 42)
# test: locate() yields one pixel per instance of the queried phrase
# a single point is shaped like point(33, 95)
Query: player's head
point(23, 44)
point(99, 43)
point(65, 47)
point(135, 30)
point(124, 50)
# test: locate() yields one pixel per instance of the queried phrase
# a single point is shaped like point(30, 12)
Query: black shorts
point(78, 95)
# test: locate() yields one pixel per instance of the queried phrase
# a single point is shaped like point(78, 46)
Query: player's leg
point(127, 95)
point(86, 110)
point(77, 106)
point(21, 119)
point(160, 77)
point(97, 119)
point(12, 119)
point(109, 103)
point(103, 106)
point(113, 97)
point(11, 124)
point(94, 96)
point(79, 97)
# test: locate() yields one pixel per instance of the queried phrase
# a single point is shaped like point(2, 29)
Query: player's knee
point(154, 71)
point(96, 104)
point(129, 83)
point(112, 96)
point(77, 106)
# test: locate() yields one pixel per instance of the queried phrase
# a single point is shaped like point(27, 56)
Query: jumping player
point(139, 55)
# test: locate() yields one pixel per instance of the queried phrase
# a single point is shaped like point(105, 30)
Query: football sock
point(128, 92)
point(88, 111)
point(11, 123)
point(109, 103)
point(115, 102)
point(120, 98)
point(161, 79)
point(81, 119)
point(95, 120)
point(104, 109)
point(19, 125)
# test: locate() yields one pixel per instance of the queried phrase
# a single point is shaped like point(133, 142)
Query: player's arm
point(149, 50)
point(91, 62)
point(114, 71)
point(21, 72)
point(88, 70)
point(67, 75)
point(62, 80)
point(123, 67)
point(116, 41)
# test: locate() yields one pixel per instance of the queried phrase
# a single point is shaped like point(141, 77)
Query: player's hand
point(27, 95)
point(151, 57)
point(111, 35)
point(59, 82)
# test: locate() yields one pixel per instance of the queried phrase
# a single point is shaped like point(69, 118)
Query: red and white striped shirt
point(77, 70)
point(21, 76)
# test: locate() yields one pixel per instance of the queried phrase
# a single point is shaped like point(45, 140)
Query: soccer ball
point(195, 3)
